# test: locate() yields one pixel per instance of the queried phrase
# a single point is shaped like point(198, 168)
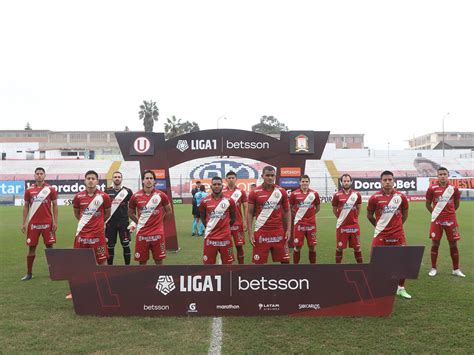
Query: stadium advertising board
point(374, 184)
point(69, 187)
point(463, 183)
point(10, 187)
point(235, 290)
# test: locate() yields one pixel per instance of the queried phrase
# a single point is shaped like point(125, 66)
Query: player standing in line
point(391, 211)
point(442, 201)
point(305, 203)
point(195, 211)
point(118, 220)
point(153, 208)
point(346, 205)
point(199, 196)
point(240, 225)
point(91, 209)
point(40, 217)
point(273, 223)
point(218, 215)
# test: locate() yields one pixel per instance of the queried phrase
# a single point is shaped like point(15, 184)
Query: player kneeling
point(217, 214)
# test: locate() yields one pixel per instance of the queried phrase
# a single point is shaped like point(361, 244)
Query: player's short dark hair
point(148, 171)
point(41, 169)
point(202, 188)
point(443, 169)
point(253, 185)
point(231, 173)
point(386, 172)
point(345, 175)
point(268, 168)
point(117, 172)
point(198, 182)
point(304, 177)
point(92, 172)
point(216, 178)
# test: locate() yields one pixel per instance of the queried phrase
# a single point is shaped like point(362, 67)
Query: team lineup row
point(226, 213)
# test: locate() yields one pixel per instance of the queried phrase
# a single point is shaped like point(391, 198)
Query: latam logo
point(221, 167)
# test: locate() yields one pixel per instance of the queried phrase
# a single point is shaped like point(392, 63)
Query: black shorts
point(111, 231)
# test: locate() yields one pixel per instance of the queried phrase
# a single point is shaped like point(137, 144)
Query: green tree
point(175, 127)
point(269, 125)
point(28, 127)
point(149, 113)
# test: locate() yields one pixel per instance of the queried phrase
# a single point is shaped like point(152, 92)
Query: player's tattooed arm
point(334, 210)
point(456, 204)
point(317, 208)
point(429, 206)
point(55, 215)
point(167, 213)
point(287, 223)
point(370, 217)
point(404, 215)
point(106, 213)
point(202, 215)
point(26, 209)
point(132, 215)
point(77, 213)
point(249, 218)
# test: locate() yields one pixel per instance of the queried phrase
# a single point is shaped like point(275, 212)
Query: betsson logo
point(273, 284)
point(211, 144)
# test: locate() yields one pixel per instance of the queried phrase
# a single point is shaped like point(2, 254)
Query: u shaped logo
point(141, 145)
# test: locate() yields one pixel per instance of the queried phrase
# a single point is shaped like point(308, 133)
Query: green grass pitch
point(35, 317)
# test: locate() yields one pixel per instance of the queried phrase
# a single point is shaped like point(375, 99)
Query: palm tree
point(149, 113)
point(172, 127)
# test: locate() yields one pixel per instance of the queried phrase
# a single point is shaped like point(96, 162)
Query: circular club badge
point(141, 145)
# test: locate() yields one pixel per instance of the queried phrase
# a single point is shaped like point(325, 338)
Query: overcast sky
point(389, 69)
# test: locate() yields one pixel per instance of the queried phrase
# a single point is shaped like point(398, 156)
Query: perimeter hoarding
point(154, 152)
point(235, 290)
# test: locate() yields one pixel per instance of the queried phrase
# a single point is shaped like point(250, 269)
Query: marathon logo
point(88, 240)
point(218, 243)
point(151, 238)
point(227, 306)
point(349, 230)
point(270, 239)
point(40, 226)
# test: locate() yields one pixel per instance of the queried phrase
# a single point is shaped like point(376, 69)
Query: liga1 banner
point(235, 290)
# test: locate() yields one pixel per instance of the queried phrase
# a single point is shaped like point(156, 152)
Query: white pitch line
point(216, 336)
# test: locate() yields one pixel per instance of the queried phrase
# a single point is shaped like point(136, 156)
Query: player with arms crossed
point(240, 225)
point(273, 224)
point(442, 201)
point(40, 217)
point(153, 208)
point(391, 211)
point(346, 205)
point(217, 213)
point(305, 203)
point(118, 220)
point(91, 209)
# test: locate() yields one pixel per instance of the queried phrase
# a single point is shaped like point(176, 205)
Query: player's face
point(346, 182)
point(148, 181)
point(387, 182)
point(39, 176)
point(443, 176)
point(91, 181)
point(117, 179)
point(304, 184)
point(268, 177)
point(216, 187)
point(231, 180)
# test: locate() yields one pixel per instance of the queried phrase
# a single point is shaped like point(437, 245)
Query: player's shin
point(454, 256)
point(296, 256)
point(434, 255)
point(240, 254)
point(358, 256)
point(338, 256)
point(312, 256)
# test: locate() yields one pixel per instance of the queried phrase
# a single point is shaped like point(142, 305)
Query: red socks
point(312, 257)
point(358, 257)
point(29, 263)
point(240, 254)
point(338, 256)
point(296, 256)
point(455, 257)
point(434, 255)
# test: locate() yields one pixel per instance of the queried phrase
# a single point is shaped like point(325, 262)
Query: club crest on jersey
point(154, 200)
point(97, 203)
point(353, 198)
point(277, 194)
point(396, 199)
